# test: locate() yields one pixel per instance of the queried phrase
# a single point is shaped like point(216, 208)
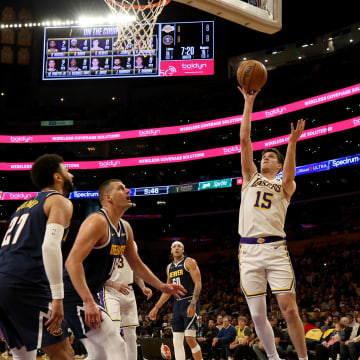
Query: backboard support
point(265, 17)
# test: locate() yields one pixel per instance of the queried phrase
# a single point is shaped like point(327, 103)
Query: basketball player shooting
point(185, 271)
point(263, 256)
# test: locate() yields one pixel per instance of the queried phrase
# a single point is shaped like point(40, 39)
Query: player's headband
point(177, 243)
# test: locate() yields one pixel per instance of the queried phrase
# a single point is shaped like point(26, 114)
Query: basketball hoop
point(137, 37)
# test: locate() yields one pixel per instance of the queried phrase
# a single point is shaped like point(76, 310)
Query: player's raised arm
point(143, 271)
point(162, 300)
point(93, 232)
point(248, 167)
point(194, 271)
point(290, 158)
point(59, 212)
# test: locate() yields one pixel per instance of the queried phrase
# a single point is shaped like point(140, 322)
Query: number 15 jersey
point(263, 208)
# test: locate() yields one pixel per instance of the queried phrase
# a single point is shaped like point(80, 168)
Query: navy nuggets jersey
point(21, 248)
point(101, 261)
point(178, 274)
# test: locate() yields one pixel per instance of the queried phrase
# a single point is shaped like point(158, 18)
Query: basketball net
point(139, 35)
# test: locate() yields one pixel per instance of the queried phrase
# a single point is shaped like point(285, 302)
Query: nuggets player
point(120, 302)
point(102, 239)
point(185, 271)
point(31, 267)
point(263, 256)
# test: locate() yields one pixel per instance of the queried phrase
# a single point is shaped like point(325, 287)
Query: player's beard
point(68, 186)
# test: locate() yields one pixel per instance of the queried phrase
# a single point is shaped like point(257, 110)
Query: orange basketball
point(251, 75)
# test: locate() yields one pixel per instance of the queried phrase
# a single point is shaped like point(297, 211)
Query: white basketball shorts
point(121, 307)
point(265, 263)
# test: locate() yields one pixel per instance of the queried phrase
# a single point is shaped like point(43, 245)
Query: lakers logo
point(165, 352)
point(260, 240)
point(58, 332)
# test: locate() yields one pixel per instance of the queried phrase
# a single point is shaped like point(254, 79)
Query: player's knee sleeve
point(196, 349)
point(178, 341)
point(23, 354)
point(263, 328)
point(257, 307)
point(130, 342)
point(130, 333)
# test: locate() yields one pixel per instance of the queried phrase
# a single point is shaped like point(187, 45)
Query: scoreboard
point(78, 52)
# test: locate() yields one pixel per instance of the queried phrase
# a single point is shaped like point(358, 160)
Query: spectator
point(240, 346)
point(206, 341)
point(318, 319)
point(145, 329)
point(219, 322)
point(202, 327)
point(351, 348)
point(330, 347)
point(221, 342)
point(309, 323)
point(327, 324)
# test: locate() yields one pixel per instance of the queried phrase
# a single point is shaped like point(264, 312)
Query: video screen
point(78, 52)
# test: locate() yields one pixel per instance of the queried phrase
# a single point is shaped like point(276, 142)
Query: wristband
point(57, 291)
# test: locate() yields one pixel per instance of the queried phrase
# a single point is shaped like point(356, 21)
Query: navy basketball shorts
point(75, 316)
point(24, 311)
point(180, 321)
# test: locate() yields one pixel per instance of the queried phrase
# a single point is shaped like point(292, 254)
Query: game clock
point(155, 190)
point(178, 49)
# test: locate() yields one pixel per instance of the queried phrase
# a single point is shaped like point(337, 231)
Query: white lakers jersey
point(263, 208)
point(123, 272)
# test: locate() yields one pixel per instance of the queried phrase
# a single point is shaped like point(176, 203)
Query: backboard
point(260, 15)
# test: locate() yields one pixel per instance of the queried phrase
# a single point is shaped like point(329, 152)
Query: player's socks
point(304, 358)
point(274, 357)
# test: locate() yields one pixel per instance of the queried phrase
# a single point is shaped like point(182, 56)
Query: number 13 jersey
point(263, 208)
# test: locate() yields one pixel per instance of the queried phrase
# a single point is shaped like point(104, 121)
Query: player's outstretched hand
point(296, 133)
point(93, 315)
point(153, 313)
point(57, 315)
point(173, 289)
point(147, 292)
point(250, 96)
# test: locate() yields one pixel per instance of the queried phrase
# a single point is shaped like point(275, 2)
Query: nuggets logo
point(260, 240)
point(168, 40)
point(165, 352)
point(58, 332)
